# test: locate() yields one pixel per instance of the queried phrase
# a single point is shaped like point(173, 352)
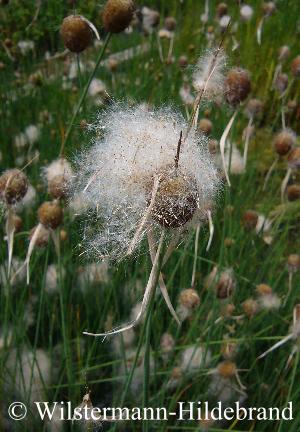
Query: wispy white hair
point(132, 146)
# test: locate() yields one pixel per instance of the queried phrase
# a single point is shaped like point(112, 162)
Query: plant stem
point(85, 90)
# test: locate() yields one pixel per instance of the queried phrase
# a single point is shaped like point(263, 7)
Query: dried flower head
point(293, 192)
point(13, 186)
point(76, 33)
point(295, 67)
point(134, 174)
point(117, 15)
point(50, 214)
point(284, 141)
point(237, 86)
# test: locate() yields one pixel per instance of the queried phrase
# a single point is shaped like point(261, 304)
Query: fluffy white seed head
point(214, 87)
point(133, 148)
point(59, 167)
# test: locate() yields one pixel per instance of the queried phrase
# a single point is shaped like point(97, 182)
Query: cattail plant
point(13, 187)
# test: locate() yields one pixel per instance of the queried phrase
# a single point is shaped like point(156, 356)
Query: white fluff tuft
point(208, 77)
point(133, 147)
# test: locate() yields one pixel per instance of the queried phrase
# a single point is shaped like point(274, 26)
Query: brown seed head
point(283, 142)
point(222, 9)
point(189, 298)
point(58, 187)
point(293, 263)
point(254, 107)
point(175, 202)
point(237, 86)
point(170, 23)
point(269, 8)
point(295, 67)
point(281, 82)
point(167, 343)
point(283, 52)
point(76, 33)
point(117, 15)
point(227, 369)
point(183, 61)
point(250, 307)
point(226, 285)
point(263, 289)
point(13, 186)
point(294, 158)
point(293, 192)
point(205, 126)
point(50, 214)
point(249, 220)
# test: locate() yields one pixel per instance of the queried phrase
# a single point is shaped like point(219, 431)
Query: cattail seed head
point(13, 186)
point(293, 192)
point(189, 298)
point(264, 289)
point(205, 126)
point(293, 262)
point(294, 158)
point(283, 142)
point(42, 238)
point(227, 369)
point(222, 9)
point(237, 86)
point(50, 214)
point(250, 307)
point(250, 219)
point(76, 33)
point(117, 15)
point(295, 67)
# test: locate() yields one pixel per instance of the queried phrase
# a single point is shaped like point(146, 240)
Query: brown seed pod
point(237, 86)
point(205, 126)
point(175, 202)
point(43, 237)
point(222, 9)
point(18, 223)
point(263, 289)
point(189, 298)
point(183, 61)
point(293, 263)
point(254, 107)
point(228, 350)
point(293, 192)
point(250, 307)
point(295, 67)
point(117, 15)
point(13, 186)
point(283, 142)
point(225, 286)
point(50, 214)
point(249, 220)
point(58, 187)
point(76, 33)
point(170, 23)
point(227, 369)
point(281, 82)
point(294, 158)
point(268, 8)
